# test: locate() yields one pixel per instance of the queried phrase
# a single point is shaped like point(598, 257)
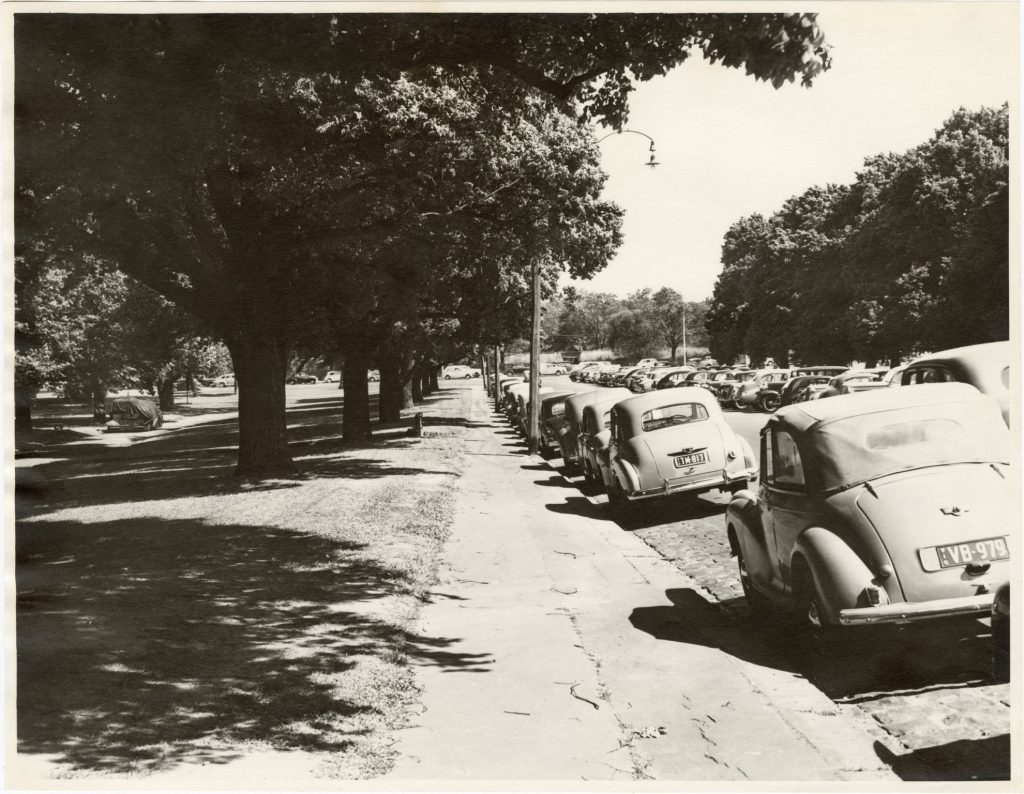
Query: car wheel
point(447, 377)
point(769, 403)
point(756, 602)
point(467, 376)
point(616, 497)
point(739, 406)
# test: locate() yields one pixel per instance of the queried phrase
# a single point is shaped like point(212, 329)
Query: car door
point(785, 499)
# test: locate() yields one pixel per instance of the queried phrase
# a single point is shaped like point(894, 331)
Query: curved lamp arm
point(652, 162)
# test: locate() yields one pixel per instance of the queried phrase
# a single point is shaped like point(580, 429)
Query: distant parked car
point(748, 392)
point(373, 375)
point(670, 377)
point(890, 506)
point(985, 366)
point(224, 380)
point(524, 407)
point(301, 377)
point(553, 368)
point(674, 441)
point(334, 376)
point(459, 371)
point(578, 371)
point(854, 381)
point(802, 388)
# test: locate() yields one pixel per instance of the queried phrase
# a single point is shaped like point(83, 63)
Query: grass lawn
point(169, 614)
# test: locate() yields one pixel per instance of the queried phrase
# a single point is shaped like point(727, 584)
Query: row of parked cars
point(875, 506)
point(985, 366)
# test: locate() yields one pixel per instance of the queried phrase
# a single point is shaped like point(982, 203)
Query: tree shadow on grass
point(144, 643)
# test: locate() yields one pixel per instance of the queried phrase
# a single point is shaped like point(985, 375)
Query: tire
point(738, 405)
point(467, 376)
point(617, 500)
point(447, 377)
point(756, 602)
point(769, 403)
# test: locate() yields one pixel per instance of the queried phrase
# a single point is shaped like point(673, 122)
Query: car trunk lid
point(934, 520)
point(699, 438)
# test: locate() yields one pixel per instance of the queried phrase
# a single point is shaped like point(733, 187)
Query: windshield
point(861, 448)
point(668, 415)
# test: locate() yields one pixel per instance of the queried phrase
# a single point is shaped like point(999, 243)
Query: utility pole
point(684, 334)
point(533, 429)
point(497, 371)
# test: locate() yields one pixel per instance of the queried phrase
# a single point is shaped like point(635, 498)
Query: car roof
point(656, 399)
point(803, 416)
point(986, 353)
point(612, 396)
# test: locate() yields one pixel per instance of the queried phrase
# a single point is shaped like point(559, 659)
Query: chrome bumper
point(921, 610)
point(721, 480)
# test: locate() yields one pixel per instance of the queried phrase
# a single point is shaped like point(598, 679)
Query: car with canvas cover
point(888, 506)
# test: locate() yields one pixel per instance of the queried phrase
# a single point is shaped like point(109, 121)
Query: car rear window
point(558, 409)
point(668, 415)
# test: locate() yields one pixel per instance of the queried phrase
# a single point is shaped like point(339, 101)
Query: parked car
point(300, 377)
point(985, 366)
point(459, 371)
point(723, 383)
point(553, 368)
point(802, 388)
point(511, 399)
point(523, 408)
point(551, 420)
point(884, 507)
point(748, 393)
point(672, 376)
point(224, 380)
point(579, 370)
point(855, 380)
point(568, 435)
point(334, 376)
point(1001, 634)
point(648, 362)
point(594, 433)
point(674, 441)
point(372, 376)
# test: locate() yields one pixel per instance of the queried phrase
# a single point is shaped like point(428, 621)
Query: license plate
point(691, 460)
point(973, 551)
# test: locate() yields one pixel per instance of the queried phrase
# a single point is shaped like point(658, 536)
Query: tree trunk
point(166, 392)
point(23, 410)
point(260, 365)
point(432, 375)
point(355, 415)
point(417, 382)
point(674, 348)
point(392, 386)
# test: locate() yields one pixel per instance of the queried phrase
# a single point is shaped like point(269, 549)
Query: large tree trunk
point(166, 392)
point(392, 382)
point(23, 410)
point(260, 364)
point(355, 415)
point(432, 375)
point(417, 382)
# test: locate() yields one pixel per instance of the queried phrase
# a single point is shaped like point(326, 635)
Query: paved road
point(925, 687)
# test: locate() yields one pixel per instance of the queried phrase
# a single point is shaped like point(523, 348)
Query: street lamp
point(653, 163)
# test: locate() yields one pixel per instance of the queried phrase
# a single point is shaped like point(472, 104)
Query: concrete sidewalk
point(573, 652)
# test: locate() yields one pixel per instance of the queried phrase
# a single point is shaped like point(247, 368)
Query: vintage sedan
point(300, 377)
point(855, 380)
point(551, 420)
point(802, 388)
point(886, 507)
point(594, 433)
point(522, 413)
point(568, 434)
point(674, 441)
point(511, 398)
point(748, 392)
point(985, 366)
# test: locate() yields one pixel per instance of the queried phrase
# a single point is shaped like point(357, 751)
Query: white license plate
point(691, 460)
point(973, 551)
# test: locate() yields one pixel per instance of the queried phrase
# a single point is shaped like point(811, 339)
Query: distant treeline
point(913, 256)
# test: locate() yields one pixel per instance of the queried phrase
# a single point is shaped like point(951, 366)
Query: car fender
point(749, 460)
point(630, 478)
point(746, 533)
point(839, 575)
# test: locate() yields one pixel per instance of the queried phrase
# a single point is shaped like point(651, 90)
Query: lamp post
point(533, 420)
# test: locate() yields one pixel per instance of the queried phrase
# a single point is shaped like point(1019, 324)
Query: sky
point(730, 146)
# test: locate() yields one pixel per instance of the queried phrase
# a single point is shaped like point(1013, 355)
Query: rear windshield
point(558, 409)
point(669, 415)
point(861, 448)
